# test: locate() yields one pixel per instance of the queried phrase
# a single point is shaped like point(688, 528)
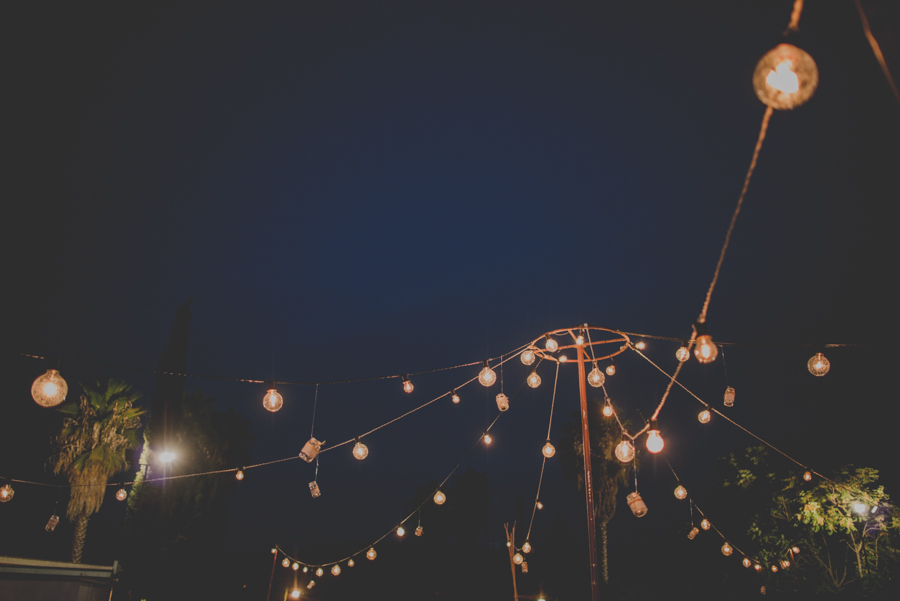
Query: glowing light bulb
point(319, 572)
point(121, 494)
point(640, 345)
point(454, 397)
point(526, 548)
point(508, 544)
point(807, 476)
point(551, 345)
point(705, 524)
point(637, 505)
point(785, 77)
point(860, 508)
point(680, 492)
point(563, 359)
point(539, 505)
point(371, 554)
point(774, 569)
point(274, 551)
point(727, 549)
point(758, 568)
point(796, 550)
point(350, 563)
point(625, 450)
point(502, 402)
point(534, 380)
point(6, 493)
point(704, 416)
point(785, 564)
point(273, 401)
point(295, 594)
point(518, 559)
point(729, 397)
point(407, 385)
point(360, 451)
point(682, 354)
point(167, 457)
point(49, 389)
point(335, 570)
point(610, 370)
point(693, 533)
point(487, 376)
point(607, 409)
point(596, 377)
point(818, 365)
point(579, 340)
point(305, 569)
point(655, 442)
point(706, 350)
point(746, 562)
point(286, 562)
point(295, 566)
point(549, 450)
point(488, 439)
point(401, 531)
point(239, 475)
point(527, 357)
point(439, 498)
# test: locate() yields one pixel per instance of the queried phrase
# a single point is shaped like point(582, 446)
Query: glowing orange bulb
point(655, 442)
point(625, 450)
point(682, 354)
point(526, 548)
point(704, 416)
point(350, 563)
point(371, 554)
point(488, 439)
point(335, 570)
point(680, 492)
point(611, 370)
point(273, 401)
point(239, 475)
point(534, 380)
point(305, 569)
point(454, 397)
point(6, 493)
point(796, 550)
point(527, 357)
point(596, 377)
point(563, 359)
point(295, 566)
point(607, 410)
point(774, 569)
point(319, 572)
point(488, 376)
point(807, 476)
point(757, 567)
point(407, 385)
point(295, 594)
point(785, 77)
point(705, 524)
point(360, 451)
point(121, 494)
point(818, 365)
point(785, 564)
point(539, 505)
point(49, 389)
point(439, 498)
point(727, 549)
point(640, 345)
point(401, 531)
point(579, 340)
point(518, 559)
point(706, 350)
point(286, 562)
point(746, 562)
point(549, 450)
point(551, 345)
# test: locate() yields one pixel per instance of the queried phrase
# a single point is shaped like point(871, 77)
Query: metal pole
point(272, 575)
point(511, 545)
point(588, 482)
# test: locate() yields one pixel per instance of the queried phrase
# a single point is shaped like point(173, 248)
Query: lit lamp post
point(583, 343)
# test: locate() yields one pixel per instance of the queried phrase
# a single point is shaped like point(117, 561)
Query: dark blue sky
point(359, 189)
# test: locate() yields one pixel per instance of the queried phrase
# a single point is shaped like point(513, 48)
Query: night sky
point(350, 190)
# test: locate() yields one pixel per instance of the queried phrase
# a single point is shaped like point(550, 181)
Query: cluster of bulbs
point(625, 450)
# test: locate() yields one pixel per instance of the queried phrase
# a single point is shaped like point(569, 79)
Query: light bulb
point(526, 548)
point(273, 401)
point(774, 569)
point(579, 340)
point(693, 533)
point(640, 345)
point(121, 494)
point(807, 476)
point(563, 359)
point(785, 77)
point(6, 493)
point(534, 380)
point(607, 409)
point(539, 505)
point(727, 549)
point(305, 569)
point(655, 442)
point(818, 365)
point(508, 544)
point(371, 554)
point(680, 492)
point(785, 564)
point(49, 389)
point(625, 450)
point(407, 385)
point(488, 439)
point(682, 354)
point(295, 594)
point(549, 450)
point(274, 551)
point(860, 508)
point(705, 524)
point(454, 397)
point(167, 457)
point(286, 562)
point(439, 498)
point(518, 559)
point(729, 397)
point(335, 570)
point(360, 451)
point(420, 531)
point(488, 376)
point(502, 402)
point(758, 568)
point(52, 523)
point(704, 416)
point(527, 356)
point(319, 572)
point(401, 531)
point(796, 550)
point(239, 475)
point(706, 350)
point(610, 370)
point(551, 345)
point(296, 566)
point(596, 377)
point(746, 562)
point(350, 563)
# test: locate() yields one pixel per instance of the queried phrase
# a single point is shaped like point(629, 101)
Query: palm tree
point(607, 472)
point(92, 447)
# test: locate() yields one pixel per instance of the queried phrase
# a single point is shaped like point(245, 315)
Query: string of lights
point(547, 452)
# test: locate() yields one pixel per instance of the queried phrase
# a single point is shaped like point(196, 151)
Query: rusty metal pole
point(588, 482)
